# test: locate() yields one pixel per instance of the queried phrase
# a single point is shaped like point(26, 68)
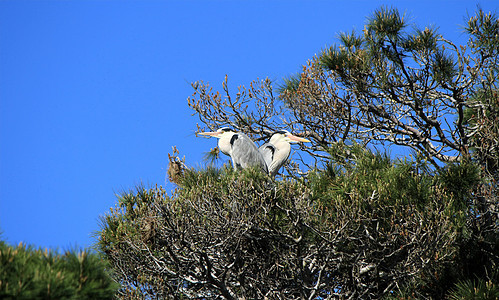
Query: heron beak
point(297, 139)
point(213, 133)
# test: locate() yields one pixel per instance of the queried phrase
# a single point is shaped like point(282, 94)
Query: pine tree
point(344, 221)
point(30, 273)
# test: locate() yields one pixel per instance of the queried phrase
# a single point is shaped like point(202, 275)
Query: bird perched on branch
point(242, 150)
point(276, 151)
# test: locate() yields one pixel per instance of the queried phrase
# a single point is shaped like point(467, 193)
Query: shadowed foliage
point(29, 273)
point(364, 227)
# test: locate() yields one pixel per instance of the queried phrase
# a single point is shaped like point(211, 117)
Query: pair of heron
point(244, 153)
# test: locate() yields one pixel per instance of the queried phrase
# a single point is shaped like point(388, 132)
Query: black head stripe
point(272, 149)
point(225, 129)
point(281, 131)
point(233, 139)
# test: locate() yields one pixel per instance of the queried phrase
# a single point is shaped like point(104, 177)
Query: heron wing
point(245, 153)
point(267, 150)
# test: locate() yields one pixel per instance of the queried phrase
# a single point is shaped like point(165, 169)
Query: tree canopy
point(350, 221)
point(388, 84)
point(30, 273)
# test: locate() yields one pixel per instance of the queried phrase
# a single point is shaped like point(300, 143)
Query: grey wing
point(267, 150)
point(245, 153)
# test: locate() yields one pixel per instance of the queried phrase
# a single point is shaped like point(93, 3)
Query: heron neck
point(224, 144)
point(282, 146)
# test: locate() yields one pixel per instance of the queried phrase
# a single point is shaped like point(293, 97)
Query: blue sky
point(93, 93)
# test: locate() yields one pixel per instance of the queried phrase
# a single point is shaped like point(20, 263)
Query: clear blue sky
point(93, 93)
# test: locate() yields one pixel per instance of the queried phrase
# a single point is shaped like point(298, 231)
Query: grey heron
point(276, 151)
point(242, 150)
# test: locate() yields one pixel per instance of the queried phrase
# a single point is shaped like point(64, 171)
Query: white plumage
point(242, 150)
point(276, 151)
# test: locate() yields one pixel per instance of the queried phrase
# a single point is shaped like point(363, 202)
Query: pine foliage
point(29, 273)
point(362, 227)
point(475, 289)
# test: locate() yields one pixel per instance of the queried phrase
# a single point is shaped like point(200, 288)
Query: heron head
point(219, 133)
point(286, 136)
